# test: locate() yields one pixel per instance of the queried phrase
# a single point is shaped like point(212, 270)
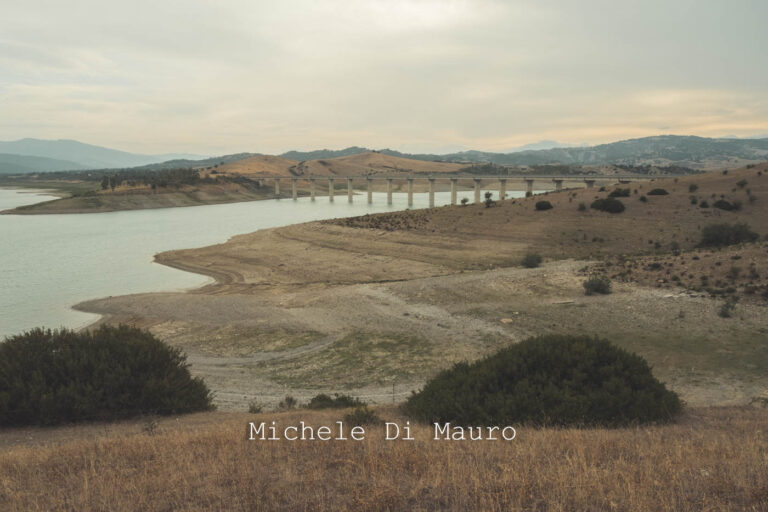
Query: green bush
point(51, 377)
point(658, 192)
point(598, 283)
point(543, 205)
point(609, 205)
point(323, 401)
point(620, 192)
point(532, 260)
point(547, 380)
point(720, 235)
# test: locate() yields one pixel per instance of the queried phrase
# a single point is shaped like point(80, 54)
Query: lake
point(48, 263)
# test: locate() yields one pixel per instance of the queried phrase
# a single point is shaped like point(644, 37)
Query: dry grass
point(713, 459)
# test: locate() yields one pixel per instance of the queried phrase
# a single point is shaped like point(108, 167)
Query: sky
point(216, 77)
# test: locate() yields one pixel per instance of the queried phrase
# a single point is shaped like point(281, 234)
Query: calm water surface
point(48, 263)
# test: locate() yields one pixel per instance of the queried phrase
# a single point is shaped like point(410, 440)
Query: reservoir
point(48, 263)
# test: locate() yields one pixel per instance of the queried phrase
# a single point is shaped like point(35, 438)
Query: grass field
point(713, 459)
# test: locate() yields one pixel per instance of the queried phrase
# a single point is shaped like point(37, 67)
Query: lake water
point(48, 263)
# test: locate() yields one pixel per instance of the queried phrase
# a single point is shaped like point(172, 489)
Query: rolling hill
point(23, 164)
point(84, 156)
point(690, 151)
point(358, 164)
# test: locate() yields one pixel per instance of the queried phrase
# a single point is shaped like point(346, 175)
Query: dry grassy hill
point(354, 165)
point(568, 230)
point(266, 165)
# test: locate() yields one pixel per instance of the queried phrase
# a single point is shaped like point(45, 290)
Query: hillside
point(22, 164)
point(266, 165)
point(359, 164)
point(688, 151)
point(84, 155)
point(355, 304)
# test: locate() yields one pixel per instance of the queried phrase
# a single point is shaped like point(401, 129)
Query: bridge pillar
point(590, 183)
point(528, 187)
point(389, 190)
point(410, 192)
point(277, 187)
point(502, 189)
point(370, 190)
point(312, 188)
point(349, 189)
point(331, 190)
point(431, 192)
point(477, 191)
point(558, 184)
point(453, 190)
point(294, 192)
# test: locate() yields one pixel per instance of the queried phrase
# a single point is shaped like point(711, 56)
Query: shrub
point(489, 200)
point(693, 187)
point(288, 403)
point(582, 207)
point(532, 260)
point(362, 415)
point(704, 204)
point(643, 199)
point(543, 205)
point(548, 380)
point(52, 377)
point(719, 235)
point(464, 201)
point(255, 407)
point(619, 192)
point(598, 283)
point(609, 205)
point(726, 310)
point(323, 401)
point(741, 183)
point(722, 204)
point(658, 192)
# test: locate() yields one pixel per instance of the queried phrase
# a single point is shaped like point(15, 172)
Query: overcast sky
point(216, 77)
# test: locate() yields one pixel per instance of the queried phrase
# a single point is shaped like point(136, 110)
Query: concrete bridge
point(557, 181)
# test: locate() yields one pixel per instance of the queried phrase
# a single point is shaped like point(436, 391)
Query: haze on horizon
point(417, 76)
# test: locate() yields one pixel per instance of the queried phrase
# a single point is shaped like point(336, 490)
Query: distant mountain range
point(679, 149)
point(60, 155)
point(33, 155)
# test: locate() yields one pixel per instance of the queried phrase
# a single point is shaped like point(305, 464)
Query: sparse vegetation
point(337, 401)
point(543, 205)
point(658, 192)
point(287, 403)
point(362, 415)
point(726, 310)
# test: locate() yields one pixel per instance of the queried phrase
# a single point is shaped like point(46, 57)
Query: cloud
point(238, 75)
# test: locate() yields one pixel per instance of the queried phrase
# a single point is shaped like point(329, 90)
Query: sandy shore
point(320, 307)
